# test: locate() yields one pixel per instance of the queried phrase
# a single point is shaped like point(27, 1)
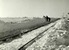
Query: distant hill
point(14, 19)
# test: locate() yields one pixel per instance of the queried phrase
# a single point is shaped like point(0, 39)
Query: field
point(15, 26)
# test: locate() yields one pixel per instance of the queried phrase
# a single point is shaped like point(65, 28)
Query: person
point(44, 18)
point(47, 18)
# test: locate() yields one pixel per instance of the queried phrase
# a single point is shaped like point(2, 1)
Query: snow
point(17, 43)
point(56, 38)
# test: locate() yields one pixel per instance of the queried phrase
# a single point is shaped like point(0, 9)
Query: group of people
point(47, 18)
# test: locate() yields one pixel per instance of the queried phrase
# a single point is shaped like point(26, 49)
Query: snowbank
point(56, 38)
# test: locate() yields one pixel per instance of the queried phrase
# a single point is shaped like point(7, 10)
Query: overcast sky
point(33, 8)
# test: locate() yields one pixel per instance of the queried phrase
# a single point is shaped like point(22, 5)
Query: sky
point(33, 8)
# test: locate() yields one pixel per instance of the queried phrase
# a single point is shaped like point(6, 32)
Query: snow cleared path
point(41, 34)
point(55, 38)
point(17, 43)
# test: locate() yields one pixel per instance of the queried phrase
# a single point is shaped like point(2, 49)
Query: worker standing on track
point(47, 18)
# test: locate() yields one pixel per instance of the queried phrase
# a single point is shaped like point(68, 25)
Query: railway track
point(18, 32)
point(34, 39)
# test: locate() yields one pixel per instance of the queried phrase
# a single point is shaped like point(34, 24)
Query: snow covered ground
point(17, 43)
point(56, 38)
